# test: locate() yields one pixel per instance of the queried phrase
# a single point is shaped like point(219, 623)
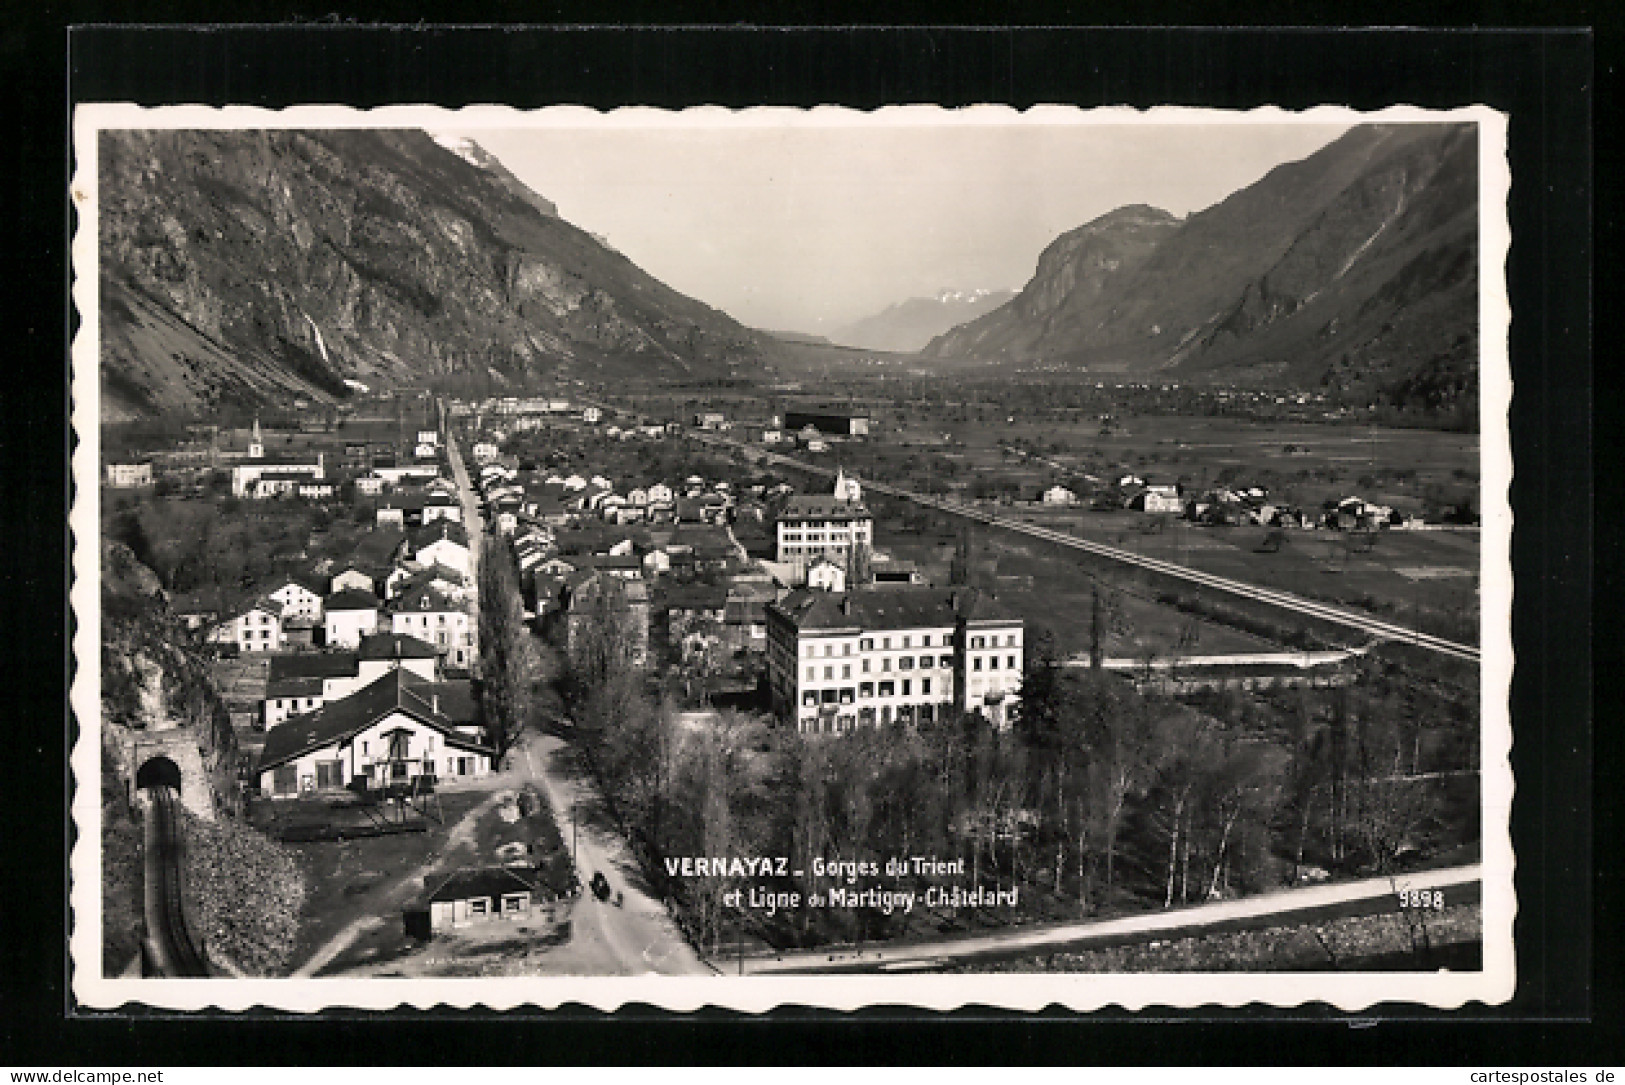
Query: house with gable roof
point(443, 542)
point(433, 615)
point(303, 683)
point(391, 733)
point(255, 628)
point(298, 599)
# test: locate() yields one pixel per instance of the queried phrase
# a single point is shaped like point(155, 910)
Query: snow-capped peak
point(962, 296)
point(463, 148)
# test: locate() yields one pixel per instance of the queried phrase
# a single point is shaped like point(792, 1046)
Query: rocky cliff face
point(1074, 272)
point(1356, 268)
point(243, 266)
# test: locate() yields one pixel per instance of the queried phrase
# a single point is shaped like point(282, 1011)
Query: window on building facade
point(945, 662)
point(976, 664)
point(846, 670)
point(829, 650)
point(906, 684)
point(888, 689)
point(812, 672)
point(905, 642)
point(867, 644)
point(925, 687)
point(992, 663)
point(926, 663)
point(885, 643)
point(885, 664)
point(829, 673)
point(846, 649)
point(906, 663)
point(866, 689)
point(1011, 662)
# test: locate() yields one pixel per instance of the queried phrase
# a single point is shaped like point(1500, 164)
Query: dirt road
point(637, 936)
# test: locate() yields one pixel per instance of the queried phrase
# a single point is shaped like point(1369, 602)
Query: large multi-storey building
point(813, 526)
point(913, 655)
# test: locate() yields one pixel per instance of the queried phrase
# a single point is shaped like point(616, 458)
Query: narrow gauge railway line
point(171, 951)
point(1325, 612)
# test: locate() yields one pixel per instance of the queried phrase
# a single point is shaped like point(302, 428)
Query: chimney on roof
point(846, 605)
point(434, 703)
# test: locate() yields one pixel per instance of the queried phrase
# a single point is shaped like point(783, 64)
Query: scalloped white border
point(1348, 992)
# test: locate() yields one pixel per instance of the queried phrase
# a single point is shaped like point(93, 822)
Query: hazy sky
point(809, 226)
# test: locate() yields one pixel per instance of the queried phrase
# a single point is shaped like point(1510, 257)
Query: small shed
point(469, 896)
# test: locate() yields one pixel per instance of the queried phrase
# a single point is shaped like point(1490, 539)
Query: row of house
point(558, 499)
point(261, 476)
point(581, 564)
point(1235, 504)
point(424, 591)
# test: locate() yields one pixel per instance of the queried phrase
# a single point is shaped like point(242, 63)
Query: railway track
point(1287, 601)
point(170, 948)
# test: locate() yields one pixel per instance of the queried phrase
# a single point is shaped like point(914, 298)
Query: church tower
point(847, 489)
point(256, 444)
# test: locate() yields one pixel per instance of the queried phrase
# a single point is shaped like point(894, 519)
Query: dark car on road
point(600, 886)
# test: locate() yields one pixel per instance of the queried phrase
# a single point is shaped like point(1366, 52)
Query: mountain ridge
point(267, 266)
point(1354, 268)
point(907, 326)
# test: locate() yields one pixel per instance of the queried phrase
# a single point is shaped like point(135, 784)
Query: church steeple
point(847, 489)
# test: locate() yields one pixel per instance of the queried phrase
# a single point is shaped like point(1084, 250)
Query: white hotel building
point(911, 655)
point(813, 526)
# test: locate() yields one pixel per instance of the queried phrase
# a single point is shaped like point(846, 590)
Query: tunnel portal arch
point(158, 772)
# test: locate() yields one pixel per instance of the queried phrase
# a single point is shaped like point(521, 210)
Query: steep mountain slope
point(244, 266)
point(1355, 268)
point(909, 325)
point(1074, 271)
point(480, 158)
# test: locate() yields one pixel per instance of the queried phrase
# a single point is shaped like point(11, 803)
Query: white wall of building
point(345, 628)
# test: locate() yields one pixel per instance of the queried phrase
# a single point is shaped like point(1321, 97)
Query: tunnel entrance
point(158, 772)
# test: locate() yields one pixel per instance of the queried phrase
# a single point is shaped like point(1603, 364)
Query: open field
point(1425, 577)
point(1057, 596)
point(518, 827)
point(1427, 580)
point(1307, 462)
point(350, 879)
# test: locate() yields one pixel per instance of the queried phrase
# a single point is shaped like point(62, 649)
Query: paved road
point(1266, 910)
point(1323, 611)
